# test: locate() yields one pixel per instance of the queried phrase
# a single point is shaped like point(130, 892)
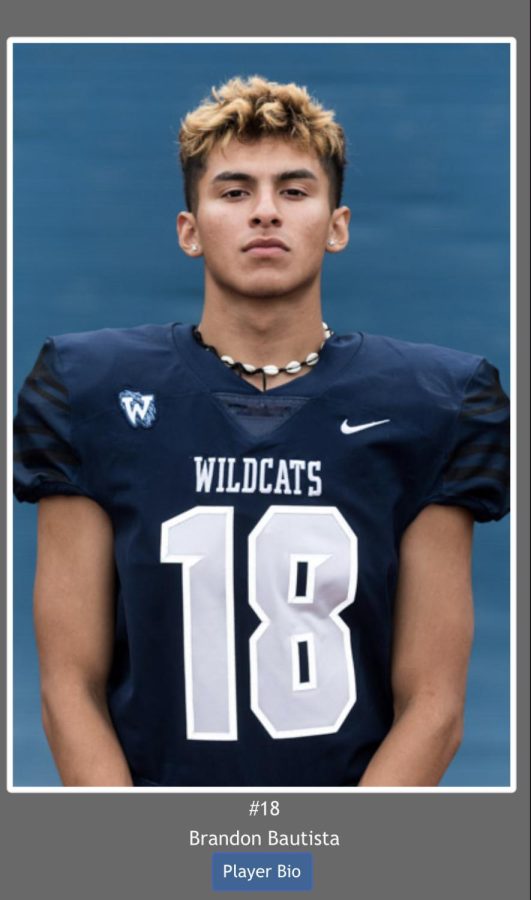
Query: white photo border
point(346, 791)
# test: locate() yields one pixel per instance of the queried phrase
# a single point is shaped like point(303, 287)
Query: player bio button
point(262, 871)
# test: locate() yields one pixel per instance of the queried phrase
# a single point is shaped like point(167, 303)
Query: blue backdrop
point(97, 189)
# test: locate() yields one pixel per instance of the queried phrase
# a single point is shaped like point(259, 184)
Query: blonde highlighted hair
point(250, 109)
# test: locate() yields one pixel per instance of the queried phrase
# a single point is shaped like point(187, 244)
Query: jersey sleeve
point(45, 460)
point(476, 470)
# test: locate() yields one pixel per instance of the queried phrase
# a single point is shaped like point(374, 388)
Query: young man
point(255, 535)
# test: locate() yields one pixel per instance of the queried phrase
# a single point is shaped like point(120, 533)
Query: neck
point(263, 331)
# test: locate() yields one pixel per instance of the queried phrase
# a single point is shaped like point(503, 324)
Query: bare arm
point(74, 610)
point(433, 631)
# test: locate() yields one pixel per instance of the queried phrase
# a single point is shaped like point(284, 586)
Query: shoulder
point(455, 417)
point(417, 359)
point(426, 388)
point(104, 343)
point(94, 366)
point(86, 358)
point(420, 372)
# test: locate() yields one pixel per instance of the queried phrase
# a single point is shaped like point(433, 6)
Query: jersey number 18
point(302, 572)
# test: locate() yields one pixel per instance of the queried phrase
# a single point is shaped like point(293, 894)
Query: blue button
point(262, 871)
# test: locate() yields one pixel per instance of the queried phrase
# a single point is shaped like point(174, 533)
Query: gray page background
point(416, 846)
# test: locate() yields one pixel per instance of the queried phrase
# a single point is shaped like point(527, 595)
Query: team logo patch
point(139, 409)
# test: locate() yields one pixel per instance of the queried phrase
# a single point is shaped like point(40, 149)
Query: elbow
point(52, 706)
point(64, 696)
point(440, 719)
point(454, 730)
point(446, 726)
point(50, 713)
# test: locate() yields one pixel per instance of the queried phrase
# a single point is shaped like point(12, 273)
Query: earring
point(331, 243)
point(194, 248)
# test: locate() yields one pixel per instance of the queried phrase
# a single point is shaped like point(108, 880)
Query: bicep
point(74, 589)
point(433, 624)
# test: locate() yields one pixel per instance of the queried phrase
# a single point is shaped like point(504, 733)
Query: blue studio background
point(97, 190)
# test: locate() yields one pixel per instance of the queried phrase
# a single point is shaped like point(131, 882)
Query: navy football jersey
point(257, 534)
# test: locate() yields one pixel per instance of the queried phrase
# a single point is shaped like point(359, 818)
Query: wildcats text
point(230, 475)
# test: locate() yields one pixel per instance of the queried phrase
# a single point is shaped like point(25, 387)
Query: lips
point(263, 245)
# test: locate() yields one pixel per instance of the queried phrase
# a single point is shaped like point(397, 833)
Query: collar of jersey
point(335, 355)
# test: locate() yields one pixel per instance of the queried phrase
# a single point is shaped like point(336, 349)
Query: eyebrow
point(282, 176)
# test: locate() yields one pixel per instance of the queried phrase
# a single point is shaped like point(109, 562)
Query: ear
point(187, 234)
point(338, 234)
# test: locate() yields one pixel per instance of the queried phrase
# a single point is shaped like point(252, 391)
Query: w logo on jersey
point(139, 409)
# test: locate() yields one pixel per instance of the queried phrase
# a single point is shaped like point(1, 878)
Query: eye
point(234, 194)
point(294, 193)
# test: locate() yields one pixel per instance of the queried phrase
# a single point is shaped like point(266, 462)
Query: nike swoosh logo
point(351, 429)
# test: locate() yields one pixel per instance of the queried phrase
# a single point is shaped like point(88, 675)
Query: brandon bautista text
point(272, 839)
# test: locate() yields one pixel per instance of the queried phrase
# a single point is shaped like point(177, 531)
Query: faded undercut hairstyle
point(254, 108)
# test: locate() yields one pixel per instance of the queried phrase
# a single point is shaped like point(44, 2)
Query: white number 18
point(302, 574)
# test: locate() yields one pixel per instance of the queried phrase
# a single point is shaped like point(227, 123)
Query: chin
point(268, 293)
point(273, 289)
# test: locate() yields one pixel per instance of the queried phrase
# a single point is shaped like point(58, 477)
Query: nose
point(265, 211)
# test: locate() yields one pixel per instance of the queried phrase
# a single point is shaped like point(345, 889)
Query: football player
point(254, 534)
